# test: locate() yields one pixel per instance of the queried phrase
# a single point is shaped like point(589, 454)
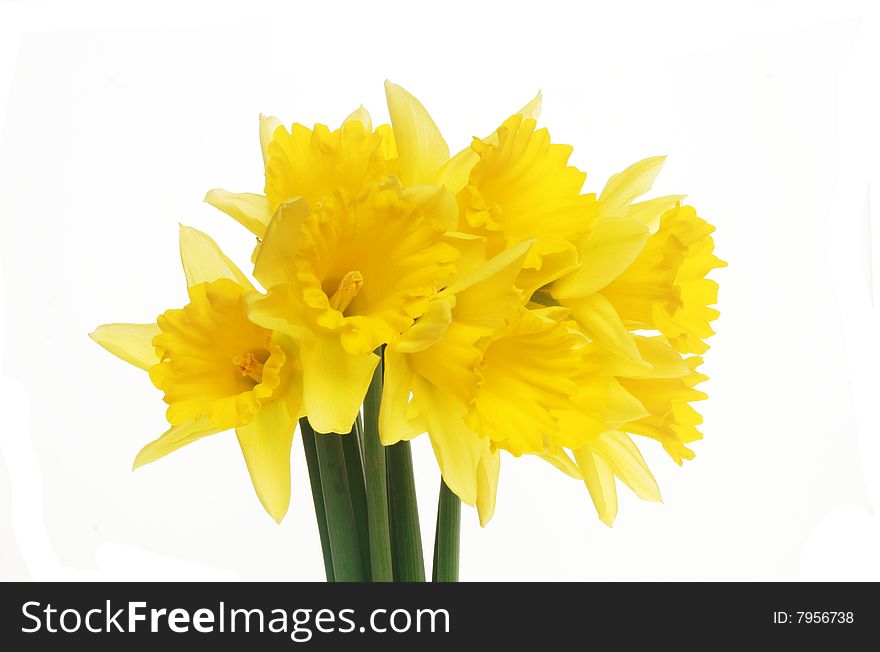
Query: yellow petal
point(176, 437)
point(650, 211)
point(282, 311)
point(420, 146)
point(429, 328)
point(600, 483)
point(203, 262)
point(627, 463)
point(557, 456)
point(601, 322)
point(334, 383)
point(395, 422)
point(487, 296)
point(624, 187)
point(554, 266)
point(622, 407)
point(455, 172)
point(268, 125)
point(251, 211)
point(436, 203)
point(501, 270)
point(663, 360)
point(487, 485)
point(361, 115)
point(458, 449)
point(611, 246)
point(265, 443)
point(130, 342)
point(533, 108)
point(274, 263)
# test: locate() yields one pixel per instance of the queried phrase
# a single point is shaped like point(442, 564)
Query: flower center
point(348, 289)
point(248, 365)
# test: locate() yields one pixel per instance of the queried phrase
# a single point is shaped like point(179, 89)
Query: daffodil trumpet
point(483, 300)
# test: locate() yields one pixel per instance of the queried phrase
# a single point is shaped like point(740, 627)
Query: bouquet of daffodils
point(482, 299)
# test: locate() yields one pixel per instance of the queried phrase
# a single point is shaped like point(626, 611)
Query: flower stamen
point(248, 365)
point(348, 289)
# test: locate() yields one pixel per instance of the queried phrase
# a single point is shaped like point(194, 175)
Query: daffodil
point(642, 266)
point(521, 187)
point(515, 312)
point(481, 373)
point(347, 277)
point(662, 390)
point(422, 153)
point(218, 370)
point(616, 266)
point(430, 375)
point(312, 164)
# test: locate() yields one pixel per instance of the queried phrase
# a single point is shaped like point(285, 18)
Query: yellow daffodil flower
point(430, 375)
point(315, 163)
point(663, 389)
point(344, 279)
point(521, 187)
point(310, 163)
point(218, 370)
point(482, 373)
point(642, 266)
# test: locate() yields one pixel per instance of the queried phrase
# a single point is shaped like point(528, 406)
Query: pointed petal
point(203, 262)
point(650, 211)
point(627, 463)
point(623, 187)
point(268, 125)
point(429, 328)
point(437, 203)
point(487, 295)
point(252, 211)
point(457, 448)
point(663, 360)
point(487, 485)
point(601, 322)
point(501, 270)
point(274, 263)
point(281, 310)
point(361, 115)
point(130, 342)
point(395, 423)
point(611, 246)
point(176, 437)
point(533, 108)
point(557, 456)
point(454, 174)
point(622, 407)
point(600, 483)
point(420, 146)
point(265, 443)
point(334, 383)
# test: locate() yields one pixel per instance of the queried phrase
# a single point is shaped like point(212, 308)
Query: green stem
point(308, 439)
point(447, 537)
point(406, 538)
point(377, 484)
point(341, 526)
point(354, 468)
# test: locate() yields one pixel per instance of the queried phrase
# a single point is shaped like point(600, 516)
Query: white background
point(115, 118)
